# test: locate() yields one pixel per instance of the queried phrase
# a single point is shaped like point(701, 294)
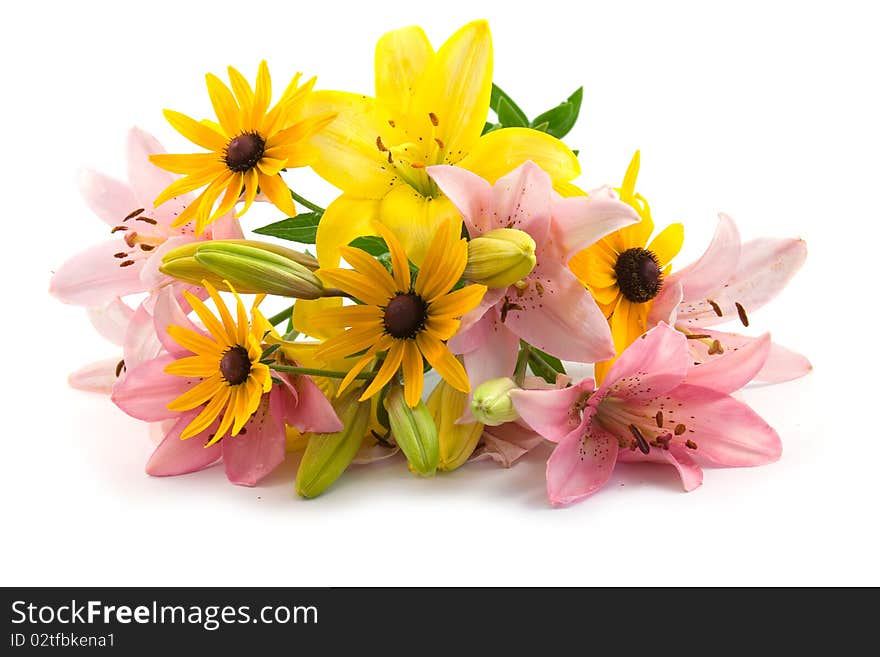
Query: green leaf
point(373, 245)
point(561, 119)
point(495, 102)
point(302, 228)
point(545, 365)
point(510, 117)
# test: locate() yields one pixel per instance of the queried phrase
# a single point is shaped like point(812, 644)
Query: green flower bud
point(414, 431)
point(457, 441)
point(327, 455)
point(491, 403)
point(500, 257)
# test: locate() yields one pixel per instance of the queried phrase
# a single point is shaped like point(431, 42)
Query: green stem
point(274, 320)
point(316, 372)
point(522, 361)
point(311, 206)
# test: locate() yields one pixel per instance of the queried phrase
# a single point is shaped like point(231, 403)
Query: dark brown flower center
point(235, 365)
point(405, 315)
point(638, 275)
point(243, 152)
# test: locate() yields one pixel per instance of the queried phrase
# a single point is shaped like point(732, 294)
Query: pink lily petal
point(580, 221)
point(521, 200)
point(111, 320)
point(489, 301)
point(718, 263)
point(651, 366)
point(168, 312)
point(107, 197)
point(552, 413)
point(146, 390)
point(141, 342)
point(557, 315)
point(689, 471)
point(310, 410)
point(726, 431)
point(94, 276)
point(506, 444)
point(665, 306)
point(174, 456)
point(495, 357)
point(371, 453)
point(147, 180)
point(733, 369)
point(782, 364)
point(227, 227)
point(764, 269)
point(580, 465)
point(469, 193)
point(259, 449)
point(95, 377)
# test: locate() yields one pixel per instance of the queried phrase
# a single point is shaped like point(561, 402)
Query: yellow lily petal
point(344, 219)
point(443, 361)
point(414, 218)
point(347, 153)
point(499, 152)
point(276, 189)
point(413, 373)
point(306, 312)
point(401, 58)
point(667, 244)
point(196, 132)
point(456, 88)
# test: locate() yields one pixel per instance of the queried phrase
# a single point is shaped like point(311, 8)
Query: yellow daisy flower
point(624, 272)
point(249, 147)
point(228, 362)
point(409, 320)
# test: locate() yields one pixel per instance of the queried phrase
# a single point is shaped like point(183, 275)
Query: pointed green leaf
point(373, 245)
point(495, 102)
point(510, 117)
point(302, 228)
point(561, 119)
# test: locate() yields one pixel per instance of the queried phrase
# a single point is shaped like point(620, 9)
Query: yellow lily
point(430, 108)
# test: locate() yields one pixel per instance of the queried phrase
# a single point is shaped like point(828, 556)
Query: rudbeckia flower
point(625, 270)
point(249, 146)
point(217, 398)
point(653, 406)
point(408, 319)
point(430, 108)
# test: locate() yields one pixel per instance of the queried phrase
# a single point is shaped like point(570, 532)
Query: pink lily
point(146, 391)
point(651, 407)
point(128, 262)
point(729, 282)
point(550, 309)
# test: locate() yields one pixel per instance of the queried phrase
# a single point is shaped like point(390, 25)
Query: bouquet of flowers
point(459, 243)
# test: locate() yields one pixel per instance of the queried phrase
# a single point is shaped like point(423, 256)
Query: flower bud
point(414, 431)
point(500, 257)
point(254, 267)
point(327, 455)
point(457, 441)
point(491, 403)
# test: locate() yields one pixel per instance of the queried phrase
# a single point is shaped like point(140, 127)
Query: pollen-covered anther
point(679, 429)
point(417, 165)
point(522, 287)
point(659, 419)
point(641, 443)
point(434, 120)
point(690, 444)
point(638, 274)
point(116, 229)
point(742, 314)
point(715, 348)
point(147, 220)
point(120, 368)
point(439, 142)
point(715, 307)
point(130, 239)
point(380, 145)
point(133, 214)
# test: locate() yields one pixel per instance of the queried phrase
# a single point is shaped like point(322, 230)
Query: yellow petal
point(224, 333)
point(458, 303)
point(242, 89)
point(399, 261)
point(190, 183)
point(444, 262)
point(351, 342)
point(262, 96)
point(195, 342)
point(628, 187)
point(276, 189)
point(442, 328)
point(456, 88)
point(347, 316)
point(413, 373)
point(389, 368)
point(230, 198)
point(198, 394)
point(204, 419)
point(356, 284)
point(667, 244)
point(353, 372)
point(251, 184)
point(347, 154)
point(499, 152)
point(270, 166)
point(289, 106)
point(442, 360)
point(414, 218)
point(224, 105)
point(195, 366)
point(305, 313)
point(196, 132)
point(186, 163)
point(344, 219)
point(401, 58)
point(368, 266)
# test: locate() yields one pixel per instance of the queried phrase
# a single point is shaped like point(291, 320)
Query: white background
point(767, 111)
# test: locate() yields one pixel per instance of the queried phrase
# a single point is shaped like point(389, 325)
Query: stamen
point(539, 288)
point(644, 447)
point(120, 368)
point(380, 145)
point(679, 429)
point(715, 307)
point(130, 239)
point(127, 263)
point(121, 254)
point(147, 247)
point(418, 165)
point(659, 419)
point(663, 441)
point(390, 158)
point(132, 215)
point(392, 123)
point(690, 444)
point(118, 228)
point(434, 120)
point(521, 287)
point(742, 314)
point(506, 307)
point(147, 220)
point(697, 336)
point(715, 348)
point(439, 142)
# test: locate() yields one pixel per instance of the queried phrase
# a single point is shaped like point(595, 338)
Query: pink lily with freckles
point(652, 406)
point(146, 391)
point(549, 309)
point(728, 283)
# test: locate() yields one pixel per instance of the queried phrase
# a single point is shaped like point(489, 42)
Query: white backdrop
point(767, 111)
